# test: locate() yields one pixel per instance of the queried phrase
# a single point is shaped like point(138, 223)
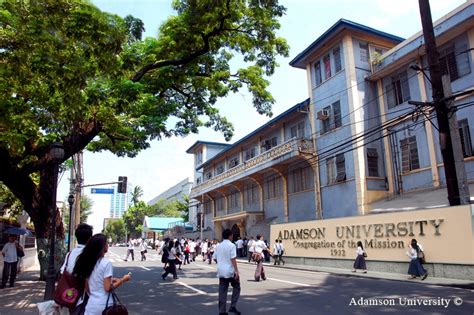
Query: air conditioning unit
point(323, 114)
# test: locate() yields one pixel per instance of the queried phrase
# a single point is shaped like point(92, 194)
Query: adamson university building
point(355, 161)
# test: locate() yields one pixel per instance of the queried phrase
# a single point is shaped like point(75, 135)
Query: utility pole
point(441, 108)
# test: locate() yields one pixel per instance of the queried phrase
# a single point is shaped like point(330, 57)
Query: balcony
point(275, 155)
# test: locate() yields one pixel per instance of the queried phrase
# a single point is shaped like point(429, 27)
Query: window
point(465, 137)
point(250, 153)
point(454, 61)
point(364, 52)
point(340, 167)
point(233, 162)
point(326, 123)
point(268, 144)
point(335, 118)
point(330, 170)
point(327, 67)
point(409, 150)
point(317, 73)
point(220, 204)
point(398, 91)
point(208, 175)
point(198, 157)
point(220, 169)
point(336, 52)
point(251, 195)
point(336, 108)
point(297, 131)
point(372, 162)
point(273, 188)
point(234, 200)
point(301, 179)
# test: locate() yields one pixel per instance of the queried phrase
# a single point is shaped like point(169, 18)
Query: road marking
point(190, 287)
point(145, 268)
point(112, 253)
point(290, 282)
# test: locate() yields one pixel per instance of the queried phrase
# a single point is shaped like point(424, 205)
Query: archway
point(236, 231)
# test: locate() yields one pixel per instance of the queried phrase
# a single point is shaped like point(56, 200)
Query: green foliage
point(81, 77)
point(115, 230)
point(9, 202)
point(86, 210)
point(136, 194)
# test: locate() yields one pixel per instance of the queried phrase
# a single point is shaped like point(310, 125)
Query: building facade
point(356, 136)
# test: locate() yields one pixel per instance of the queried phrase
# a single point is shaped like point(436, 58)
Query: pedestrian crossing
point(114, 258)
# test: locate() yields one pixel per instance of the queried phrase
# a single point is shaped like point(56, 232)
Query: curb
point(467, 285)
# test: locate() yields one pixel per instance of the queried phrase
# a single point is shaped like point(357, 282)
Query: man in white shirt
point(83, 233)
point(10, 261)
point(130, 249)
point(227, 272)
point(240, 246)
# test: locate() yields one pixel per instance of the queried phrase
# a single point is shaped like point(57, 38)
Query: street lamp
point(56, 154)
point(70, 200)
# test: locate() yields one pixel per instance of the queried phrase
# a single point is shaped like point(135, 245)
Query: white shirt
point(224, 254)
point(239, 243)
point(359, 251)
point(130, 244)
point(71, 259)
point(251, 245)
point(172, 253)
point(143, 246)
point(259, 246)
point(97, 294)
point(192, 247)
point(9, 249)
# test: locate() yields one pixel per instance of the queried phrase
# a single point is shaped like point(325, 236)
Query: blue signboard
point(109, 191)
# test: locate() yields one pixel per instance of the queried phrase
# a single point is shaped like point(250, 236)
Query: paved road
point(285, 291)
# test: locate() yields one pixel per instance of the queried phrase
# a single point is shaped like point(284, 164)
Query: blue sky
point(166, 162)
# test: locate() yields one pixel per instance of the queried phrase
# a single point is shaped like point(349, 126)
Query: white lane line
point(204, 266)
point(290, 282)
point(190, 287)
point(145, 268)
point(112, 253)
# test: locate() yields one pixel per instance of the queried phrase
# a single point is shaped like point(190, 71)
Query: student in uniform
point(359, 262)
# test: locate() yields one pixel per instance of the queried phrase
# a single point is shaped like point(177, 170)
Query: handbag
point(364, 254)
point(20, 252)
point(421, 257)
point(117, 308)
point(68, 289)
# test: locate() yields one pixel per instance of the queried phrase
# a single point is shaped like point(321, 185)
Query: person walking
point(251, 247)
point(227, 272)
point(415, 268)
point(204, 248)
point(171, 261)
point(259, 256)
point(83, 233)
point(143, 249)
point(130, 250)
point(278, 250)
point(359, 262)
point(95, 272)
point(10, 261)
point(240, 247)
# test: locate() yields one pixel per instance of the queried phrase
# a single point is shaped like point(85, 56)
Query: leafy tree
point(136, 194)
point(86, 210)
point(134, 217)
point(74, 75)
point(115, 230)
point(9, 202)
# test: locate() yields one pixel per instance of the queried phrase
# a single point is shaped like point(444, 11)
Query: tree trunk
point(42, 247)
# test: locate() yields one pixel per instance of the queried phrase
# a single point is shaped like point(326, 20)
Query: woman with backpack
point(359, 262)
point(94, 272)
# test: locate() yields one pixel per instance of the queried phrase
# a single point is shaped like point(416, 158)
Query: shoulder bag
point(117, 308)
point(68, 289)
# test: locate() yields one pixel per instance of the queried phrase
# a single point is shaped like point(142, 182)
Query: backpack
point(164, 256)
point(68, 290)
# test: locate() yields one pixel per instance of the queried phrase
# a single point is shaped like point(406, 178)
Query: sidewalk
point(22, 298)
point(465, 284)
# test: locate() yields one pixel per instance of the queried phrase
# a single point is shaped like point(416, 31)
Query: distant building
point(177, 192)
point(354, 142)
point(119, 202)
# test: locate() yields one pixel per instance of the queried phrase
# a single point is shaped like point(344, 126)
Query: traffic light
point(122, 185)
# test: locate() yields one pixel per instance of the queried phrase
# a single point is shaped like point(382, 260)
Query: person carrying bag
point(117, 308)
